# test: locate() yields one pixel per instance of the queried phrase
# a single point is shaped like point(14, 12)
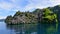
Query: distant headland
point(2, 20)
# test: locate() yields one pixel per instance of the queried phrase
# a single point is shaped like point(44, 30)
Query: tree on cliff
point(17, 13)
point(8, 19)
point(49, 16)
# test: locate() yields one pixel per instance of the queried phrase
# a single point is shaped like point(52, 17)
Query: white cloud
point(41, 4)
point(15, 4)
point(9, 6)
point(2, 17)
point(5, 5)
point(55, 2)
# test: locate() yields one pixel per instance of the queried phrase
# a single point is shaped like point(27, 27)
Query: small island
point(45, 15)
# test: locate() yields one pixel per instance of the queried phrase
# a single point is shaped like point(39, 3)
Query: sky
point(10, 7)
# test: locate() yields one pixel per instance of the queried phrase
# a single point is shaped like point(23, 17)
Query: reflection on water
point(34, 28)
point(23, 29)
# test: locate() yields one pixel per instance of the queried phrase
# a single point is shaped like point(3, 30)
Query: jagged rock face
point(25, 18)
point(30, 17)
point(18, 20)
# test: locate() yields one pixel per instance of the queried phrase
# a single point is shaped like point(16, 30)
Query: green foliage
point(49, 15)
point(18, 13)
point(8, 19)
point(47, 12)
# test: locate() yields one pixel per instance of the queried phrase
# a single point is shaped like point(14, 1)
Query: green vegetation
point(8, 19)
point(48, 16)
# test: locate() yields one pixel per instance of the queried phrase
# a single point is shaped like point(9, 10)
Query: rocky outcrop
point(22, 18)
point(39, 15)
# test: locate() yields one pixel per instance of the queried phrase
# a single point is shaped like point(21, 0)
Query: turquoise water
point(29, 29)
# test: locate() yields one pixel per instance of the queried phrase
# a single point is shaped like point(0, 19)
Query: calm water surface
point(29, 29)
